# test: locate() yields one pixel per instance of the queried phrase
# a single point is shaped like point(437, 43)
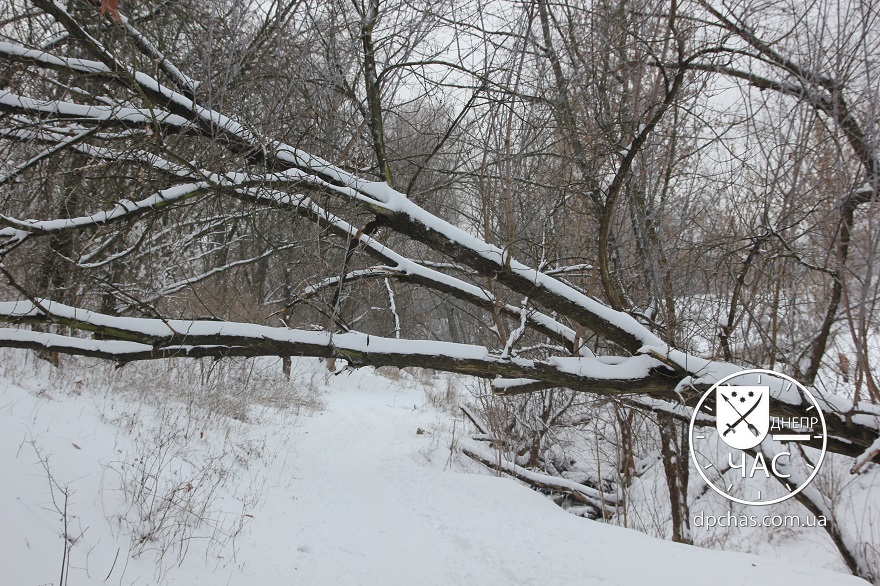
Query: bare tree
point(265, 185)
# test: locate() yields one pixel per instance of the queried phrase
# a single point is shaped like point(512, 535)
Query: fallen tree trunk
point(603, 503)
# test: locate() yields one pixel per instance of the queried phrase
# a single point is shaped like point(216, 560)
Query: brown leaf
point(111, 8)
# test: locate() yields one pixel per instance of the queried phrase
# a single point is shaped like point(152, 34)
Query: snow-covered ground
point(346, 493)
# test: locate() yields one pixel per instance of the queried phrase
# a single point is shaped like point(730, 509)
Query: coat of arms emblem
point(743, 415)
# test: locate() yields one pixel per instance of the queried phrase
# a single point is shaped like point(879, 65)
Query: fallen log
point(603, 503)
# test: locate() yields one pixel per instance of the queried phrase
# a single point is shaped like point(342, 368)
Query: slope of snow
point(353, 495)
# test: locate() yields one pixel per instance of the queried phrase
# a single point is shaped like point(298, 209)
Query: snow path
point(366, 507)
point(357, 497)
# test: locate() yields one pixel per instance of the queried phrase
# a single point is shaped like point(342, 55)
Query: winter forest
point(548, 227)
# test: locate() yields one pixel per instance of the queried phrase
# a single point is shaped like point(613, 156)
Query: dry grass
point(192, 434)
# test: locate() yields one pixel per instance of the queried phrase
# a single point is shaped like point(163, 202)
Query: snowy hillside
point(351, 482)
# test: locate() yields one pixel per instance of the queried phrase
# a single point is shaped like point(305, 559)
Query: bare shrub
point(173, 478)
point(194, 429)
point(443, 394)
point(60, 497)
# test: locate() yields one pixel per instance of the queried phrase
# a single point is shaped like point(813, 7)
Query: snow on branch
point(603, 502)
point(61, 145)
point(653, 368)
point(641, 376)
point(377, 272)
point(867, 456)
point(136, 117)
point(160, 338)
point(402, 214)
point(417, 274)
point(184, 283)
point(402, 266)
point(578, 268)
point(123, 209)
point(407, 217)
point(182, 81)
point(13, 52)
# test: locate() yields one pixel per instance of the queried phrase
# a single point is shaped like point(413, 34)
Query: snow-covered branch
point(415, 273)
point(264, 172)
point(399, 212)
point(602, 502)
point(159, 338)
point(123, 210)
point(98, 114)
